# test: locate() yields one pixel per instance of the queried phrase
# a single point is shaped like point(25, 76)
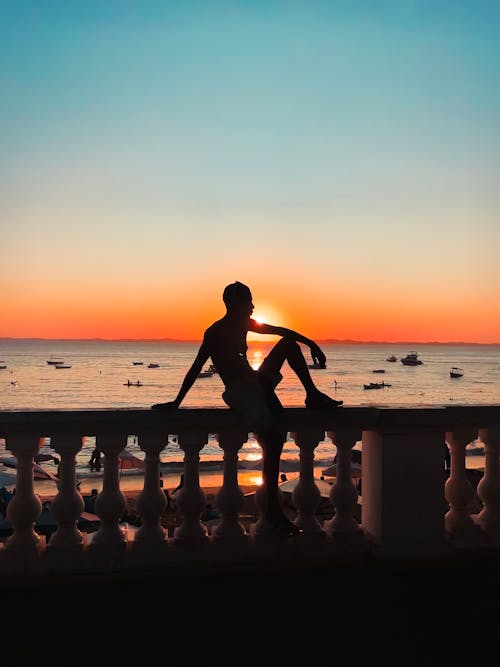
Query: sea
point(116, 374)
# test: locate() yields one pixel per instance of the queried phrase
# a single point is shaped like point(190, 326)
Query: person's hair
point(236, 293)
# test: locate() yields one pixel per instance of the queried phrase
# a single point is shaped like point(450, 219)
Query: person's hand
point(318, 356)
point(171, 405)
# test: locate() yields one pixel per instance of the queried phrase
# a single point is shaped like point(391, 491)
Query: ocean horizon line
point(328, 341)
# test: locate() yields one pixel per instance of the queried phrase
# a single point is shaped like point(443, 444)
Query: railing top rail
point(212, 420)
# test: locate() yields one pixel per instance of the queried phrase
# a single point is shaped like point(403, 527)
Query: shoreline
point(132, 484)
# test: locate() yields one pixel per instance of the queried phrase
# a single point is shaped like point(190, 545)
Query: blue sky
point(356, 139)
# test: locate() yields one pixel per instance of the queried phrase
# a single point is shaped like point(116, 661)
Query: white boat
point(3, 365)
point(392, 358)
point(411, 359)
point(456, 372)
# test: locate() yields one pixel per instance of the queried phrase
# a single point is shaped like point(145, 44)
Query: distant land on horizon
point(327, 341)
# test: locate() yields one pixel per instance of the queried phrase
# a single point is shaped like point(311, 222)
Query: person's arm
point(317, 354)
point(189, 380)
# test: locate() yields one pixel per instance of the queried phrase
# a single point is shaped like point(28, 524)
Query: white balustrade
point(111, 503)
point(25, 507)
point(151, 502)
point(404, 490)
point(230, 496)
point(488, 488)
point(306, 495)
point(343, 493)
point(68, 504)
point(191, 499)
point(458, 490)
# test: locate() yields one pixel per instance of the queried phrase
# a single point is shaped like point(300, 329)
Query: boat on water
point(411, 359)
point(132, 384)
point(3, 365)
point(55, 361)
point(153, 365)
point(61, 365)
point(376, 385)
point(379, 370)
point(137, 363)
point(456, 372)
point(392, 357)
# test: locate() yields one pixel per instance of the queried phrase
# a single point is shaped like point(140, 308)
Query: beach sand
point(132, 484)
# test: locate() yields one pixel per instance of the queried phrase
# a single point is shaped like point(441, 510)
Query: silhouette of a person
point(250, 393)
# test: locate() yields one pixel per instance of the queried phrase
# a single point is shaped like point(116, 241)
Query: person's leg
point(290, 351)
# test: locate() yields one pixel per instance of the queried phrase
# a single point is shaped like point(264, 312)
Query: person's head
point(238, 298)
point(94, 492)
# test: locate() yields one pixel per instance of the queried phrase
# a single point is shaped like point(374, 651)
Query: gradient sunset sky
point(342, 158)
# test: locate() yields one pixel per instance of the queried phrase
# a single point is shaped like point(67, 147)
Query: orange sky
point(184, 313)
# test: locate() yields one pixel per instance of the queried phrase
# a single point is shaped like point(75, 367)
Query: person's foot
point(321, 401)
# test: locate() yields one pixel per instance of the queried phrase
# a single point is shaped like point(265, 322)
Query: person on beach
point(251, 393)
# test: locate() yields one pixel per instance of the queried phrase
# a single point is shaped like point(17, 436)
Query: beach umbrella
point(331, 471)
point(38, 471)
point(130, 462)
point(323, 486)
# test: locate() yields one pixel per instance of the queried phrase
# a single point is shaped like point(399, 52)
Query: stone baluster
point(151, 502)
point(111, 503)
point(488, 488)
point(262, 528)
point(343, 494)
point(458, 490)
point(191, 499)
point(230, 496)
point(306, 495)
point(68, 504)
point(25, 507)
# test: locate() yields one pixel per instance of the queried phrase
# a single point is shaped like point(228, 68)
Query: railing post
point(191, 499)
point(343, 493)
point(488, 489)
point(151, 502)
point(306, 495)
point(403, 504)
point(25, 507)
point(68, 504)
point(230, 496)
point(111, 502)
point(458, 490)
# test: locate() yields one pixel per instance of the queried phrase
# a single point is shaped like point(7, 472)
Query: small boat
point(411, 359)
point(376, 385)
point(61, 365)
point(137, 363)
point(456, 372)
point(55, 362)
point(392, 358)
point(379, 370)
point(132, 384)
point(3, 365)
point(212, 368)
point(152, 365)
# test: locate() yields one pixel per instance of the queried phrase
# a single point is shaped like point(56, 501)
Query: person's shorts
point(255, 402)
